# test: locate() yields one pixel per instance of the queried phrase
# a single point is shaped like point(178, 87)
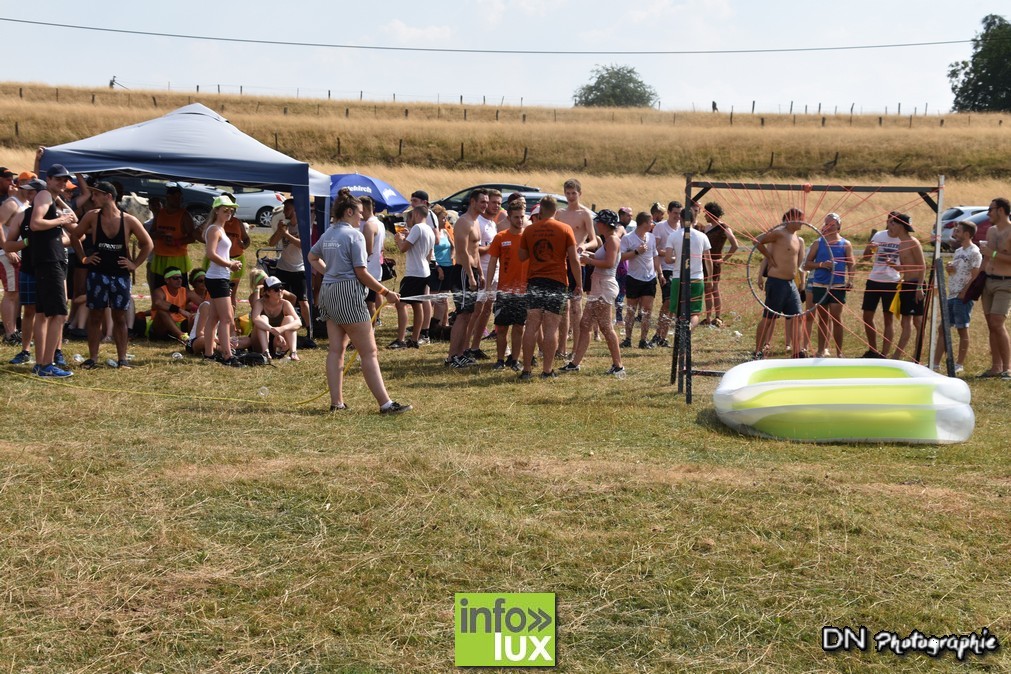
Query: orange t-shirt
point(547, 243)
point(234, 231)
point(168, 233)
point(512, 275)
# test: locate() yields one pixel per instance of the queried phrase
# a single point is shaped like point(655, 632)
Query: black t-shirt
point(24, 232)
point(47, 245)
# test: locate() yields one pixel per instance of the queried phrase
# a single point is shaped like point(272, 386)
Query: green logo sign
point(505, 630)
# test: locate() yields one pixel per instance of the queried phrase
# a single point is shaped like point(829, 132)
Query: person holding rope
point(831, 258)
point(339, 256)
point(784, 251)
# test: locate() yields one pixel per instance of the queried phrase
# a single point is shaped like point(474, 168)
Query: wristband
point(173, 308)
point(383, 292)
point(994, 256)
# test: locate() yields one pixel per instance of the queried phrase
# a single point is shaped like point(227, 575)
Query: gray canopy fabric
point(194, 143)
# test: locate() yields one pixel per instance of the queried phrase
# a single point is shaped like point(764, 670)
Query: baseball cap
point(106, 187)
point(25, 176)
point(6, 173)
point(33, 184)
point(58, 171)
point(223, 201)
point(419, 194)
point(273, 282)
point(607, 217)
point(901, 218)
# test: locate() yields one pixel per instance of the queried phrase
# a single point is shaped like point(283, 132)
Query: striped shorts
point(343, 302)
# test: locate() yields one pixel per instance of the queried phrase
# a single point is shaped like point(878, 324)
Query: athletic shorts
point(781, 298)
point(105, 291)
point(26, 286)
point(510, 309)
point(294, 282)
point(825, 296)
point(587, 277)
point(959, 312)
point(879, 292)
point(668, 274)
point(464, 297)
point(51, 289)
point(9, 274)
point(412, 286)
point(908, 304)
point(434, 284)
point(634, 288)
point(697, 291)
point(218, 287)
point(996, 296)
point(546, 295)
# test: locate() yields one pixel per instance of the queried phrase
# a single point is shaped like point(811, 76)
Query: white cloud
point(419, 36)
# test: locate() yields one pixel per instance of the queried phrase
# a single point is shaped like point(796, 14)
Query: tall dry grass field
point(186, 517)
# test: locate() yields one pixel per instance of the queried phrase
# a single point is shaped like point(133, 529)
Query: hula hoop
point(828, 288)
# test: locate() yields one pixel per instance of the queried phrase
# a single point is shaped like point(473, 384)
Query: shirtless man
point(784, 251)
point(466, 276)
point(996, 298)
point(580, 219)
point(490, 222)
point(10, 263)
point(719, 234)
point(912, 267)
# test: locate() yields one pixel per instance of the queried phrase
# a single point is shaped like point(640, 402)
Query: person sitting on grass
point(275, 323)
point(172, 307)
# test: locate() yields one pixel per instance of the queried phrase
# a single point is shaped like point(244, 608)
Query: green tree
point(983, 83)
point(617, 87)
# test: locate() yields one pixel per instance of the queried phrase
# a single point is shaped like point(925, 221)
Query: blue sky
point(872, 79)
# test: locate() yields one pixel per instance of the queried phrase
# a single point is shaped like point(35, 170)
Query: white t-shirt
point(662, 231)
point(291, 255)
point(488, 229)
point(700, 244)
point(374, 262)
point(423, 239)
point(640, 267)
point(964, 261)
point(887, 253)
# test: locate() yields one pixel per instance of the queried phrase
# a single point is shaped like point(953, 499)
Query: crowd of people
point(548, 280)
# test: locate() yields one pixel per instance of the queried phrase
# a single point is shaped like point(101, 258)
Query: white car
point(255, 205)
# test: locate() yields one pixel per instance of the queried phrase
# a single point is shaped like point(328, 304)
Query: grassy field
point(187, 517)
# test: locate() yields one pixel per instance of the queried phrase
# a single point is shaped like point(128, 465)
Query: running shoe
point(124, 365)
point(232, 362)
point(395, 408)
point(643, 344)
point(959, 369)
point(58, 359)
point(21, 358)
point(423, 340)
point(89, 364)
point(549, 375)
point(410, 344)
point(525, 376)
point(13, 339)
point(626, 343)
point(615, 370)
point(396, 344)
point(478, 354)
point(569, 367)
point(513, 364)
point(460, 362)
point(499, 365)
point(54, 371)
point(36, 369)
point(663, 343)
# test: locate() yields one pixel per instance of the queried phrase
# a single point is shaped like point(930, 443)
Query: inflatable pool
point(845, 399)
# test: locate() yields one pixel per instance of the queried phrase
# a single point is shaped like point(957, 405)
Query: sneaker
point(54, 371)
point(549, 375)
point(231, 362)
point(758, 355)
point(626, 343)
point(569, 367)
point(478, 354)
point(58, 360)
point(13, 339)
point(308, 343)
point(1005, 375)
point(410, 344)
point(21, 358)
point(36, 369)
point(89, 364)
point(654, 340)
point(499, 365)
point(423, 340)
point(447, 362)
point(125, 365)
point(959, 369)
point(396, 344)
point(395, 408)
point(460, 362)
point(615, 370)
point(643, 344)
point(513, 364)
point(525, 376)
point(338, 408)
point(663, 343)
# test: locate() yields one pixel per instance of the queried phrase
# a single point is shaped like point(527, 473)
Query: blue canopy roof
point(192, 142)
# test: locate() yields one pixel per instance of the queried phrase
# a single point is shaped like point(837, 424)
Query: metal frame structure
point(681, 359)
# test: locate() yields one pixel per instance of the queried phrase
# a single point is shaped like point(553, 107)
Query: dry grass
point(218, 530)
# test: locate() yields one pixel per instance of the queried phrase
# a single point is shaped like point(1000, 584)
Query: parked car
point(460, 200)
point(255, 205)
point(982, 222)
point(953, 215)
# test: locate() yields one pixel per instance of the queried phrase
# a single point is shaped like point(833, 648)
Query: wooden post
point(461, 151)
point(900, 110)
point(524, 118)
point(338, 146)
point(400, 150)
point(752, 107)
point(461, 99)
point(347, 112)
point(791, 107)
point(484, 100)
point(465, 114)
point(731, 116)
point(93, 99)
point(819, 108)
point(526, 150)
point(406, 111)
point(772, 159)
point(275, 140)
point(942, 122)
point(762, 121)
point(361, 96)
point(394, 98)
point(286, 109)
point(911, 121)
point(496, 115)
point(21, 92)
point(154, 101)
point(57, 94)
point(823, 122)
point(240, 90)
point(219, 88)
point(328, 94)
point(198, 88)
point(881, 121)
point(17, 129)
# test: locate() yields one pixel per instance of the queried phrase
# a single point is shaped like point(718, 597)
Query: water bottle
point(263, 392)
point(78, 358)
point(176, 355)
point(112, 362)
point(621, 375)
